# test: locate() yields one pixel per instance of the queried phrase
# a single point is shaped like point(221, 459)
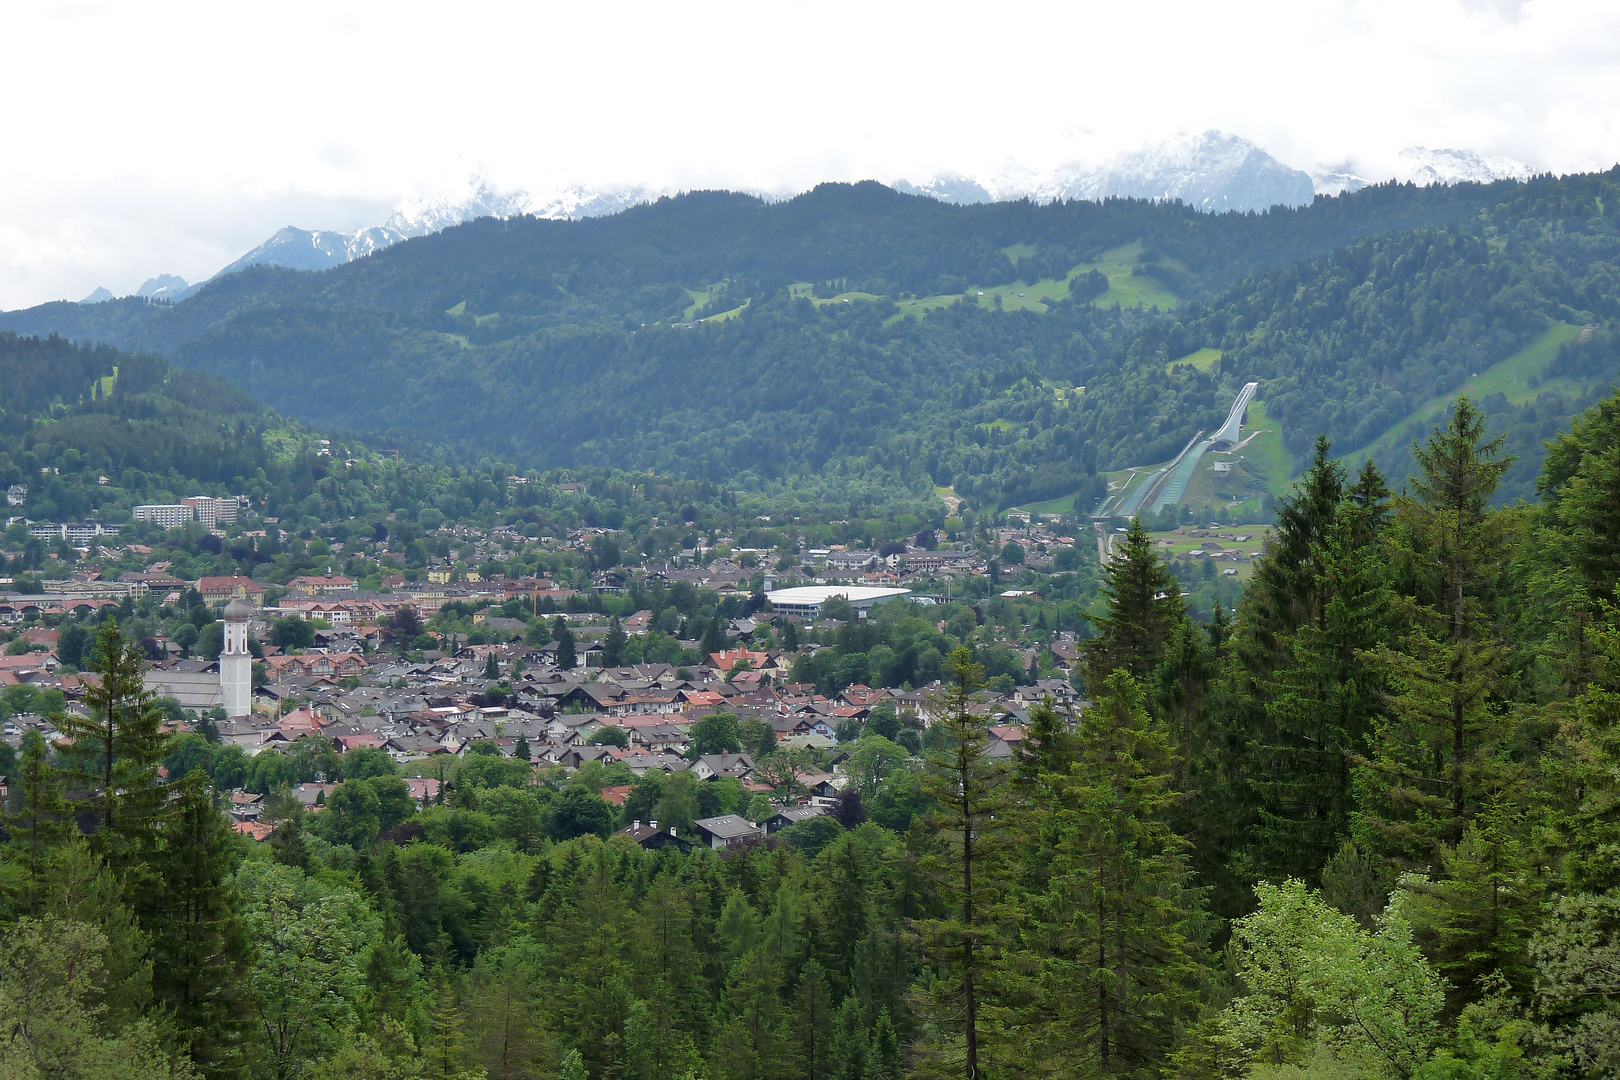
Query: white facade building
point(168, 515)
point(235, 662)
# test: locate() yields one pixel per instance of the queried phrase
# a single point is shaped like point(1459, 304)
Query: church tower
point(235, 662)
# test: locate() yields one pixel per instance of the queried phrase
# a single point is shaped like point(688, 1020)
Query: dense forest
point(90, 432)
point(842, 344)
point(1362, 826)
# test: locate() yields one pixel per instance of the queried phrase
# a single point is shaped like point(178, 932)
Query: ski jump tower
point(1231, 432)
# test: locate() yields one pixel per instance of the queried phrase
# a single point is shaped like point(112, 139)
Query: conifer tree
point(1289, 579)
point(852, 1055)
point(1475, 922)
point(508, 1037)
point(118, 748)
point(191, 913)
point(1180, 684)
point(613, 644)
point(1320, 707)
point(1144, 608)
point(40, 822)
point(1580, 494)
point(813, 1023)
point(1041, 759)
point(492, 668)
point(1434, 749)
point(714, 636)
point(1370, 495)
point(969, 825)
point(1585, 769)
point(287, 844)
point(1110, 953)
point(445, 1049)
point(567, 655)
point(752, 1042)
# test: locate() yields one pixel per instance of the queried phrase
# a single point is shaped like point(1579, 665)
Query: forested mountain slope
point(88, 432)
point(709, 336)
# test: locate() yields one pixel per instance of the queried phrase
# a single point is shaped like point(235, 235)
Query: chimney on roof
point(654, 824)
point(636, 827)
point(672, 830)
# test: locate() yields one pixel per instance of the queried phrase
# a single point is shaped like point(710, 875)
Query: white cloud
point(171, 140)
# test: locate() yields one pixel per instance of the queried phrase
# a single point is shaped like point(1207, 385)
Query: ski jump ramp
point(1231, 432)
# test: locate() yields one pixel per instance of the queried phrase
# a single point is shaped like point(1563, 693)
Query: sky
point(142, 140)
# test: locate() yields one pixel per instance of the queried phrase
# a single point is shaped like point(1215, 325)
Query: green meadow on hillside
point(1512, 377)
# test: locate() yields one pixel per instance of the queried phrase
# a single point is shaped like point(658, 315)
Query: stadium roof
point(815, 595)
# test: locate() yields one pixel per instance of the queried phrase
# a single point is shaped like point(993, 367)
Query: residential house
point(651, 838)
point(722, 766)
point(793, 815)
point(729, 830)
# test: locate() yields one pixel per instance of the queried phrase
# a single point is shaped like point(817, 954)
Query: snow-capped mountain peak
point(1423, 166)
point(1210, 170)
point(419, 217)
point(320, 249)
point(577, 201)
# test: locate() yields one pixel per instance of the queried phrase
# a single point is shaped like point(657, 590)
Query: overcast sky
point(146, 139)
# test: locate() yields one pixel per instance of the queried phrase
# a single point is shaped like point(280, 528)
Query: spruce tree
point(1110, 953)
point(813, 1022)
point(1144, 608)
point(40, 822)
point(1580, 495)
point(714, 636)
point(752, 1043)
point(492, 668)
point(1585, 770)
point(117, 749)
point(969, 791)
point(613, 644)
point(446, 1046)
point(567, 656)
point(190, 911)
point(1288, 581)
point(1319, 710)
point(1435, 747)
point(1475, 922)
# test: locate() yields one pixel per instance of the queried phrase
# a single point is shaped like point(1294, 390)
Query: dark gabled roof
point(727, 827)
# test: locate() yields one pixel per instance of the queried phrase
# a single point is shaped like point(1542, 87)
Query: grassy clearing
point(1268, 449)
point(1249, 539)
point(1125, 288)
point(1511, 377)
point(698, 300)
point(1017, 252)
point(848, 298)
point(1063, 504)
point(459, 309)
point(1022, 296)
point(459, 339)
point(1202, 360)
point(724, 315)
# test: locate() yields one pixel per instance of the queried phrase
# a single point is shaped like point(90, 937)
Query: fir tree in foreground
point(969, 790)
